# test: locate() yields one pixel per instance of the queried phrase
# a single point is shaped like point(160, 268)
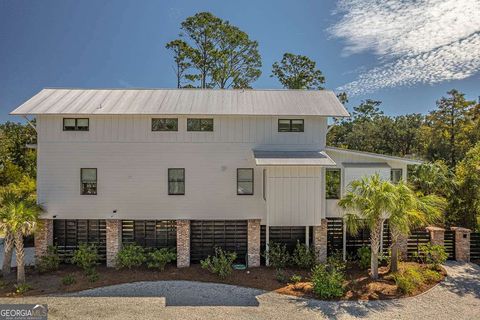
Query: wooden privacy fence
point(69, 234)
point(416, 239)
point(475, 245)
point(449, 244)
point(150, 233)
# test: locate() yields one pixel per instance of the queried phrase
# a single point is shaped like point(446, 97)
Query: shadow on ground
point(181, 293)
point(465, 282)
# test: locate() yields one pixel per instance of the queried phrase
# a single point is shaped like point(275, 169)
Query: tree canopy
point(212, 53)
point(298, 72)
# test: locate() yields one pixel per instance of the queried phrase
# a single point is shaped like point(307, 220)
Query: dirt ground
point(358, 283)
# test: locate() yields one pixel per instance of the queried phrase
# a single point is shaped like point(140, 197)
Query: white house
point(191, 168)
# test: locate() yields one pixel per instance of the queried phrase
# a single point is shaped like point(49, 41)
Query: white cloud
point(417, 41)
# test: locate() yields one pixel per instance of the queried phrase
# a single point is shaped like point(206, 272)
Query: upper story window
point(396, 175)
point(332, 183)
point(88, 181)
point(75, 124)
point(290, 125)
point(176, 181)
point(200, 124)
point(165, 124)
point(245, 181)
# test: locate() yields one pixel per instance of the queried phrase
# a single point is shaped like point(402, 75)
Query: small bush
point(50, 261)
point(434, 255)
point(432, 276)
point(130, 256)
point(327, 282)
point(86, 257)
point(219, 264)
point(22, 288)
point(408, 279)
point(158, 259)
point(277, 255)
point(295, 279)
point(303, 257)
point(92, 276)
point(336, 262)
point(281, 276)
point(364, 255)
point(69, 279)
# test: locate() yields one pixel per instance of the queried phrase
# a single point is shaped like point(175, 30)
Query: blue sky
point(401, 55)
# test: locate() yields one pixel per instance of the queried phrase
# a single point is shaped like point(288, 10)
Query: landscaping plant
point(364, 255)
point(50, 261)
point(303, 256)
point(277, 255)
point(295, 278)
point(86, 257)
point(130, 256)
point(159, 258)
point(219, 264)
point(433, 255)
point(22, 288)
point(327, 282)
point(69, 279)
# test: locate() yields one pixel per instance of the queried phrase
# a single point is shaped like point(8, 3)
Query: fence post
point(462, 244)
point(437, 235)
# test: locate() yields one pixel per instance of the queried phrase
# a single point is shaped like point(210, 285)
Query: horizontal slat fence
point(416, 239)
point(150, 233)
point(68, 234)
point(475, 246)
point(449, 243)
point(285, 235)
point(334, 236)
point(230, 235)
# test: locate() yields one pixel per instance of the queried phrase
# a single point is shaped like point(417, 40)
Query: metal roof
point(366, 165)
point(374, 155)
point(292, 158)
point(183, 101)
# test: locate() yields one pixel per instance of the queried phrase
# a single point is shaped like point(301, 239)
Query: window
point(396, 175)
point(290, 125)
point(75, 124)
point(332, 183)
point(165, 124)
point(245, 181)
point(199, 124)
point(176, 181)
point(88, 180)
point(265, 184)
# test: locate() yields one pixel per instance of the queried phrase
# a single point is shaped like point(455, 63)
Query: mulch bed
point(358, 284)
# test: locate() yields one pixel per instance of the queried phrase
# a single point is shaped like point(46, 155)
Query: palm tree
point(411, 211)
point(368, 203)
point(20, 215)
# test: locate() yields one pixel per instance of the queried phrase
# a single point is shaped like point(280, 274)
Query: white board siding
point(132, 179)
point(294, 196)
point(254, 130)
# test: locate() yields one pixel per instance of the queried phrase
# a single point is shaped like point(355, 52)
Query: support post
point(43, 238)
point(462, 244)
point(253, 243)
point(437, 235)
point(320, 241)
point(114, 240)
point(183, 243)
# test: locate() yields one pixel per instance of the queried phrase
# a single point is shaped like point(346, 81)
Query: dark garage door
point(205, 235)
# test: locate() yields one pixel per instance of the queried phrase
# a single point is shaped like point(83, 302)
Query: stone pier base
point(43, 237)
point(254, 243)
point(320, 241)
point(114, 240)
point(183, 243)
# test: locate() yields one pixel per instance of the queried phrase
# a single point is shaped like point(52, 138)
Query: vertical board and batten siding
point(132, 164)
point(294, 196)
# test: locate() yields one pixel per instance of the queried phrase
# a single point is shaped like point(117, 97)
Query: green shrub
point(295, 278)
point(303, 257)
point(219, 264)
point(327, 282)
point(432, 276)
point(86, 257)
point(408, 279)
point(50, 261)
point(92, 276)
point(335, 261)
point(69, 279)
point(281, 276)
point(130, 256)
point(158, 259)
point(22, 288)
point(277, 255)
point(364, 255)
point(434, 255)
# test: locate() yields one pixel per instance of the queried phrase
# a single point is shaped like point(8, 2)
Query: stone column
point(320, 241)
point(403, 247)
point(114, 240)
point(43, 237)
point(437, 235)
point(254, 243)
point(183, 243)
point(462, 244)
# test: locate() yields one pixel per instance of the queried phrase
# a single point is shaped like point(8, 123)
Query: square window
point(290, 125)
point(245, 181)
point(396, 175)
point(69, 124)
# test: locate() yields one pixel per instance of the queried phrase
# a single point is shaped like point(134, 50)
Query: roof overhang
point(366, 165)
point(292, 158)
point(374, 155)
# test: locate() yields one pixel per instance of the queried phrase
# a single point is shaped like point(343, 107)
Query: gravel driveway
point(457, 298)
